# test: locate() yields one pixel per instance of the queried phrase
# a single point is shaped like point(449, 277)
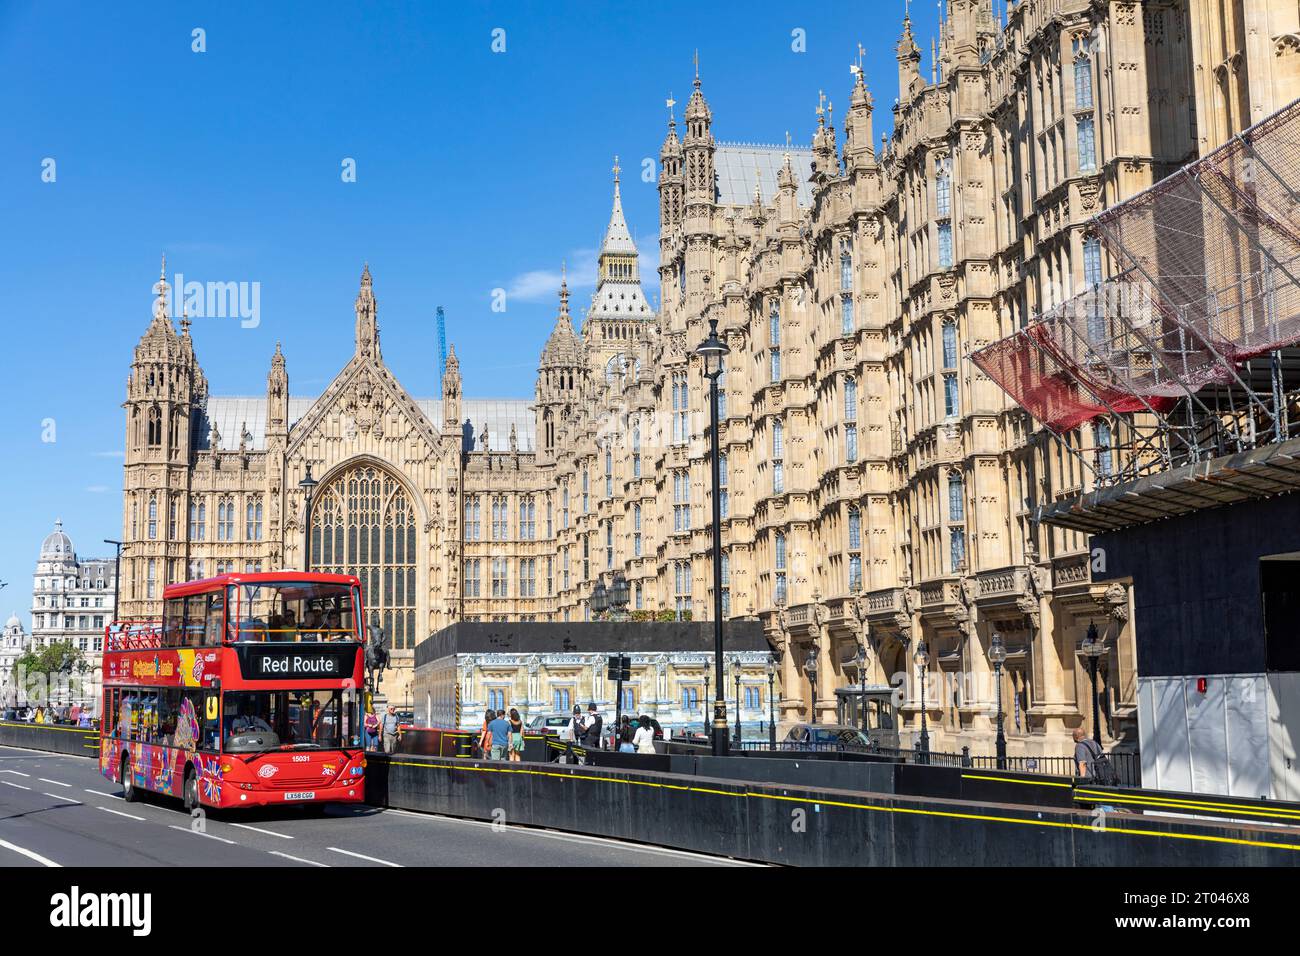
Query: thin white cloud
point(108, 454)
point(538, 285)
point(97, 489)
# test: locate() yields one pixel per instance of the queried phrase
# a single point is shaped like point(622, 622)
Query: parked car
point(549, 725)
point(825, 736)
point(405, 720)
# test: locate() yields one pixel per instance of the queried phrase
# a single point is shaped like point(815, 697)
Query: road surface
point(57, 810)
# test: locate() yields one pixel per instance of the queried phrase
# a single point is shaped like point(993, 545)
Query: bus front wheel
point(191, 790)
point(129, 793)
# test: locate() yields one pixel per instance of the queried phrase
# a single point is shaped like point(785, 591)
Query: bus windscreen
point(294, 611)
point(303, 719)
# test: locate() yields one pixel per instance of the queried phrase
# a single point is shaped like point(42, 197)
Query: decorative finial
point(185, 321)
point(616, 170)
point(670, 103)
point(697, 68)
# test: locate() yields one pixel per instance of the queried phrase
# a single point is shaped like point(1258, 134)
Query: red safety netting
point(1210, 261)
point(1220, 240)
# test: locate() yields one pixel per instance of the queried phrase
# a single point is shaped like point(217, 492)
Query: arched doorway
point(363, 523)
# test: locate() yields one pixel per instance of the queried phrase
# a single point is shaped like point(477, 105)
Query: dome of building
point(13, 623)
point(57, 545)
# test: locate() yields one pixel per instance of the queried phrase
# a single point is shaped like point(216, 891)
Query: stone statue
point(376, 653)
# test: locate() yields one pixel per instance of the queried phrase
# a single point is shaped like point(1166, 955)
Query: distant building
point(550, 668)
point(12, 644)
point(72, 598)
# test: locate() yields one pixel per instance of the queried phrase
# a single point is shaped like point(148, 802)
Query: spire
point(160, 302)
point(563, 348)
point(618, 241)
point(367, 332)
point(909, 59)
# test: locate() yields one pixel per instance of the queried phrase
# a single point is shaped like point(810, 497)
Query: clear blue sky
point(475, 170)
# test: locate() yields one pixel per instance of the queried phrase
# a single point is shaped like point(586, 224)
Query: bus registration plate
point(300, 795)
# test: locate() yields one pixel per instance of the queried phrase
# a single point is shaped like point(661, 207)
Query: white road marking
point(63, 799)
point(43, 753)
point(296, 859)
point(245, 826)
point(120, 813)
point(16, 773)
point(362, 856)
point(210, 836)
point(101, 793)
point(31, 855)
point(57, 783)
point(581, 838)
point(18, 786)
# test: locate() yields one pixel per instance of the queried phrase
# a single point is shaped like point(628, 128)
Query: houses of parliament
point(876, 489)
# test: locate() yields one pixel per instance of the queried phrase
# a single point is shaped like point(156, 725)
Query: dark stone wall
point(63, 740)
point(1197, 598)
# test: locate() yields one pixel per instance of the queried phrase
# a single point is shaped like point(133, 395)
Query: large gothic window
point(363, 523)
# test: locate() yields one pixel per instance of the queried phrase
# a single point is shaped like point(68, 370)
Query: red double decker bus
point(248, 692)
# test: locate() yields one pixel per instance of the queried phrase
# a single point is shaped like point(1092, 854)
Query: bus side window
point(196, 609)
point(216, 608)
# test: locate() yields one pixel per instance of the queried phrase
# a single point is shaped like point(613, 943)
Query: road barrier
point(822, 826)
point(81, 741)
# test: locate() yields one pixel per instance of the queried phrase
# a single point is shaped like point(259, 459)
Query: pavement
point(57, 810)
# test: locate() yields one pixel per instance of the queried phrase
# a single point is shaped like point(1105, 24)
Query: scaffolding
point(1190, 351)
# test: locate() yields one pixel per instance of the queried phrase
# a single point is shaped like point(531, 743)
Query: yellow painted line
point(1168, 804)
point(1201, 803)
point(1031, 783)
point(915, 811)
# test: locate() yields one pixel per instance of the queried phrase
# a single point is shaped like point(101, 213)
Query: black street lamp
point(117, 576)
point(599, 600)
point(810, 668)
point(712, 351)
point(922, 661)
point(862, 684)
point(998, 656)
point(736, 670)
point(618, 596)
point(308, 485)
point(704, 706)
point(1093, 648)
point(771, 700)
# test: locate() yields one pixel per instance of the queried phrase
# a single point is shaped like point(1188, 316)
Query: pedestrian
point(516, 736)
point(644, 739)
point(484, 735)
point(372, 729)
point(624, 736)
point(499, 733)
point(1091, 760)
point(573, 729)
point(388, 729)
point(591, 734)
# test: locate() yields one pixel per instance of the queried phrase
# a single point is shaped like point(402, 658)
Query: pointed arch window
point(363, 523)
point(153, 517)
point(778, 457)
point(155, 426)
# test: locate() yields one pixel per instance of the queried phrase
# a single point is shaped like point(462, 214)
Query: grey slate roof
point(734, 165)
point(230, 413)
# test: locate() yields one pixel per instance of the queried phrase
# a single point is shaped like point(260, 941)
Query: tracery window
point(363, 523)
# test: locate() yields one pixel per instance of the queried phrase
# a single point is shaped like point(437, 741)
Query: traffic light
point(620, 668)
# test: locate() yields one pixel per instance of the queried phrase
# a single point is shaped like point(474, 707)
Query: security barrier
point(809, 825)
point(54, 737)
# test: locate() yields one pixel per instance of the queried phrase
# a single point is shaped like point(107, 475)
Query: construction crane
point(442, 343)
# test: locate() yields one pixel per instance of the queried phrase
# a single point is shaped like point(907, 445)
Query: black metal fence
point(1128, 766)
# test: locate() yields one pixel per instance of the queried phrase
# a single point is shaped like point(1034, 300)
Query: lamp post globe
point(712, 351)
point(599, 599)
point(998, 656)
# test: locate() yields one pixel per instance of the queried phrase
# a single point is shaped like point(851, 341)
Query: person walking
point(371, 725)
point(388, 729)
point(1091, 760)
point(485, 735)
point(644, 738)
point(625, 737)
point(516, 736)
point(499, 733)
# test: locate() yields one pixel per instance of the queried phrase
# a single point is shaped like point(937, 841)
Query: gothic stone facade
point(877, 488)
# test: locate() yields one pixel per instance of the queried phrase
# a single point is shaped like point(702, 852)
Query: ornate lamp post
point(1093, 649)
point(771, 700)
point(998, 656)
point(922, 661)
point(705, 703)
point(618, 596)
point(308, 485)
point(810, 668)
point(736, 670)
point(599, 601)
point(862, 685)
point(712, 351)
